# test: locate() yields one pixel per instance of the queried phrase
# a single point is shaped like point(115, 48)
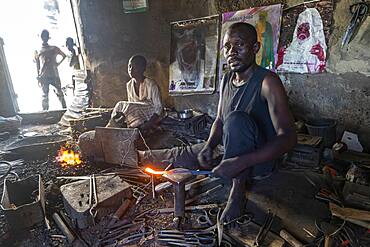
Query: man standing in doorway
point(47, 70)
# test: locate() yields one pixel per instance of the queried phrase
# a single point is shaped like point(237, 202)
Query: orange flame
point(68, 158)
point(151, 171)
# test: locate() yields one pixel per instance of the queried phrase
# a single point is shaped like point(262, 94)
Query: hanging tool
point(359, 13)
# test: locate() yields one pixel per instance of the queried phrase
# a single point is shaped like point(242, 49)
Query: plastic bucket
point(325, 128)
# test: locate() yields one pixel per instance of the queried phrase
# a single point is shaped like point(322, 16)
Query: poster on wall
point(194, 56)
point(134, 6)
point(267, 21)
point(307, 51)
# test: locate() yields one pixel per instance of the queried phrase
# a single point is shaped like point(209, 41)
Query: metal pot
point(185, 114)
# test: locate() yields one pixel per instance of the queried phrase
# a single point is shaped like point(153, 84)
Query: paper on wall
point(307, 52)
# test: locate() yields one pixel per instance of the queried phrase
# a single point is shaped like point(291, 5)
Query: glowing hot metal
point(151, 171)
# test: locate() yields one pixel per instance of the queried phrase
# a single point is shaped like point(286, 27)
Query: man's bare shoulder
point(271, 84)
point(272, 77)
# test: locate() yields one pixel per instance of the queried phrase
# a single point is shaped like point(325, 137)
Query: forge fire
point(68, 157)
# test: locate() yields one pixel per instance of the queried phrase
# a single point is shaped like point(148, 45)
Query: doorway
point(21, 26)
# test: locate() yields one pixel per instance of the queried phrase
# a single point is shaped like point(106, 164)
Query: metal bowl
point(185, 114)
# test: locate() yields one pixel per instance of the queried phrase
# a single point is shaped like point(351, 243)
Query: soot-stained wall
point(343, 92)
point(111, 37)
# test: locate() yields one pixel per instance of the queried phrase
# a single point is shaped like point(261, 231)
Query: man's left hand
point(228, 168)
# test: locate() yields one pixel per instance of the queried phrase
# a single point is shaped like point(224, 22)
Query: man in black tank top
point(253, 120)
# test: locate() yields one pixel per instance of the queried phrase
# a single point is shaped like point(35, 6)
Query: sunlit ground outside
point(21, 23)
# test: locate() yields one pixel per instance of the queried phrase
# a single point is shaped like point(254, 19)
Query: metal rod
point(189, 208)
point(179, 202)
point(95, 194)
point(202, 194)
point(153, 187)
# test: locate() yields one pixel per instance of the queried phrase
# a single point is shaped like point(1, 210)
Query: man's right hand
point(205, 157)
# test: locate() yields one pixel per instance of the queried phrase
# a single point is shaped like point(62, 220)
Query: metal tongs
point(265, 228)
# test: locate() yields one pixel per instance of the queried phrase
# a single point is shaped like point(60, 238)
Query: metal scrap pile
point(120, 208)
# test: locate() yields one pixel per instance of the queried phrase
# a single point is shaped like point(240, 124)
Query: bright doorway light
point(21, 26)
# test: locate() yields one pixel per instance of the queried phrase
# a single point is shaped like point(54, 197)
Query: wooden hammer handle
point(122, 209)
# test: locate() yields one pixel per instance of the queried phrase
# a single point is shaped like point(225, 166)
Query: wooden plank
point(247, 234)
point(349, 213)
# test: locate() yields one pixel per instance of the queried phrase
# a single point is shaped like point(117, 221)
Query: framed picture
point(194, 56)
point(134, 6)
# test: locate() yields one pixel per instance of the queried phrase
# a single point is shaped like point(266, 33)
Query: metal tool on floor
point(204, 219)
point(203, 194)
point(123, 233)
point(329, 229)
point(187, 238)
point(241, 220)
point(220, 227)
point(265, 228)
point(328, 196)
point(359, 13)
point(93, 196)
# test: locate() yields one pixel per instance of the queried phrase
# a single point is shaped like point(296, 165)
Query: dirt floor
point(44, 163)
point(287, 193)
